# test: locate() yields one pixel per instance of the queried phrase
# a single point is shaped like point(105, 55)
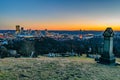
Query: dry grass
point(68, 68)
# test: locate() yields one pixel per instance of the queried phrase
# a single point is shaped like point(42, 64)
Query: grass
point(59, 68)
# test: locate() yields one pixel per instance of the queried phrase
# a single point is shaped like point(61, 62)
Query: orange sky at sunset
point(63, 26)
point(72, 27)
point(60, 14)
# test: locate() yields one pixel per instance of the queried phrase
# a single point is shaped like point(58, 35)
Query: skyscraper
point(17, 29)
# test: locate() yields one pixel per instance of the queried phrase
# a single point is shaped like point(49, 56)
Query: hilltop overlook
point(58, 68)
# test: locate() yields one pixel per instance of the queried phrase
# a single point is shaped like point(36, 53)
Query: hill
point(59, 68)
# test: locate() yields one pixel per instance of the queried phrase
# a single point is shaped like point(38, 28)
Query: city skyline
point(60, 14)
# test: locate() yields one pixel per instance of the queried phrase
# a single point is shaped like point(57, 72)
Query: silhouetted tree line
point(97, 46)
point(116, 48)
point(45, 45)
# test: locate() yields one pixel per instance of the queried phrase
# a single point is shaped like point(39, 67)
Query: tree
point(3, 52)
point(26, 48)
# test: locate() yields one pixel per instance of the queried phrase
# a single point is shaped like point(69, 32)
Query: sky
point(60, 14)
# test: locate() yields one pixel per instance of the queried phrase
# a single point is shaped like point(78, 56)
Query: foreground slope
point(68, 68)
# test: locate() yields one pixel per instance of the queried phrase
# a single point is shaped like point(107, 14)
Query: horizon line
point(60, 30)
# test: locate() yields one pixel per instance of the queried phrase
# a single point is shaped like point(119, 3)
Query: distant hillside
point(59, 68)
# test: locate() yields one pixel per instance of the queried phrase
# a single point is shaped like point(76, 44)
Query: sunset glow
point(60, 14)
